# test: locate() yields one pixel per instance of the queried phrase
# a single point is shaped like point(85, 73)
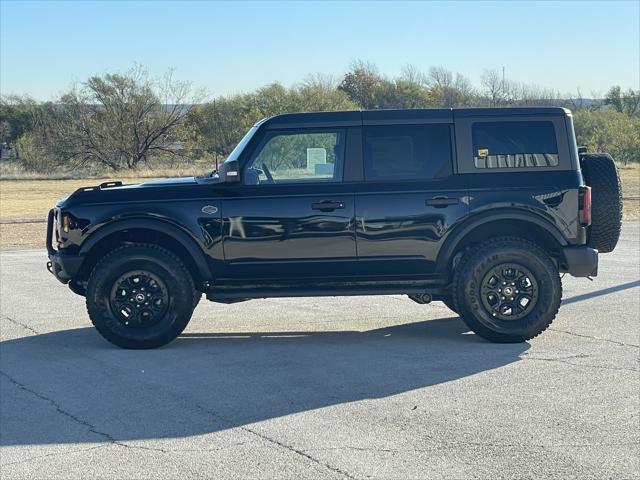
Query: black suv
point(478, 208)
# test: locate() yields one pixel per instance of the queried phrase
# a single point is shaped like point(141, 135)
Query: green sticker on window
point(483, 152)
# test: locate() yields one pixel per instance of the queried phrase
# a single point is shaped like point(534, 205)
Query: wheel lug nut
point(504, 283)
point(511, 298)
point(504, 298)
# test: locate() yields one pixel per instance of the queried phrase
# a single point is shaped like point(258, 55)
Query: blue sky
point(232, 47)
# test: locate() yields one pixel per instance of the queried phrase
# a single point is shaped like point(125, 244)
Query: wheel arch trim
point(459, 232)
point(173, 231)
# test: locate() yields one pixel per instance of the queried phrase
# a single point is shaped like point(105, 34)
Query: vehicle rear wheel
point(140, 296)
point(507, 290)
point(601, 174)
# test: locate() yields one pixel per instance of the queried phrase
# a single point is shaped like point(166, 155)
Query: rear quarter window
point(512, 145)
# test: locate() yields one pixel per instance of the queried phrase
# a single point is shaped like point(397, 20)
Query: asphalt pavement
point(312, 388)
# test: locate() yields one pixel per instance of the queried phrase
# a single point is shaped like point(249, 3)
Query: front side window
point(297, 157)
point(407, 152)
point(514, 145)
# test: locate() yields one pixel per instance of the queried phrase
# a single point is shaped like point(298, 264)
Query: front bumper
point(63, 266)
point(580, 261)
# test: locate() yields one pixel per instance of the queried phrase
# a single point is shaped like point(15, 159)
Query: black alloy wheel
point(139, 299)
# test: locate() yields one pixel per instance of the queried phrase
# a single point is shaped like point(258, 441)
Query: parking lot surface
point(361, 387)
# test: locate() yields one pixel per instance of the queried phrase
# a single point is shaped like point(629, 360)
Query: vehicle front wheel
point(448, 301)
point(507, 290)
point(140, 296)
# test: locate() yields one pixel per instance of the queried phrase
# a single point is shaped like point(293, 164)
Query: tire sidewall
point(472, 308)
point(601, 174)
point(175, 318)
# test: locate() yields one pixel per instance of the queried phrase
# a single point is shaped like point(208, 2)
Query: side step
point(234, 295)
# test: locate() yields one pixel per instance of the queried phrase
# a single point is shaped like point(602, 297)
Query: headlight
point(66, 223)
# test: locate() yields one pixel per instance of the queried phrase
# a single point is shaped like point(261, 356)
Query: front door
point(409, 198)
point(292, 216)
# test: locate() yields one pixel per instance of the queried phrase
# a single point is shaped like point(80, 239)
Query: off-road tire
point(448, 301)
point(601, 174)
point(470, 274)
point(159, 262)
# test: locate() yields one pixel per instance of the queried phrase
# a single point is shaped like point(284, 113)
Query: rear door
point(410, 197)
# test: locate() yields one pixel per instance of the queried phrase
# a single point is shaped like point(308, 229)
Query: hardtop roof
point(357, 117)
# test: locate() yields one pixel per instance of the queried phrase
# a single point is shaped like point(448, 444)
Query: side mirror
point(229, 172)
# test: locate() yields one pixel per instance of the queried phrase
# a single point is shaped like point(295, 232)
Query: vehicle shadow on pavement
point(601, 292)
point(72, 387)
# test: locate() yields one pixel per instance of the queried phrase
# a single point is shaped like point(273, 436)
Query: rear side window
point(514, 145)
point(407, 152)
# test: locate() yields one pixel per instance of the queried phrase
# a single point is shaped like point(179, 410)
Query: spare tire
point(601, 174)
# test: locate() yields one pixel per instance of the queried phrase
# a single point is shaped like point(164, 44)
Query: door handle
point(327, 205)
point(441, 202)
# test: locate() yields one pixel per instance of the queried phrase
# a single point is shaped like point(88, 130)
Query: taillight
point(585, 210)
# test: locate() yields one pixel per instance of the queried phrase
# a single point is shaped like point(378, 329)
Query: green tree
point(609, 131)
point(624, 102)
point(361, 85)
point(16, 119)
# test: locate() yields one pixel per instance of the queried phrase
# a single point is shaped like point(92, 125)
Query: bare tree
point(440, 77)
point(495, 87)
point(412, 74)
point(117, 120)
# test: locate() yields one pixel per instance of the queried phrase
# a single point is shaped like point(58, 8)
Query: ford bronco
point(481, 209)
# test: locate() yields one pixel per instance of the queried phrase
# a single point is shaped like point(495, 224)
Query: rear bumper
point(580, 261)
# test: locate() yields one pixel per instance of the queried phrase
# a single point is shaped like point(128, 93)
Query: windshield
point(243, 143)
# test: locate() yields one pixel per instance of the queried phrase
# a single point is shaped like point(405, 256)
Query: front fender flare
point(175, 232)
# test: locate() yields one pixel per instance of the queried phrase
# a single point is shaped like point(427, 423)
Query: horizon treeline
point(127, 120)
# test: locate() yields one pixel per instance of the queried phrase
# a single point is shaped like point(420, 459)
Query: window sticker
point(315, 157)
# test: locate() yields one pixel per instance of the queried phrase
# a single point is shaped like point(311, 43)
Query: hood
point(166, 182)
point(107, 189)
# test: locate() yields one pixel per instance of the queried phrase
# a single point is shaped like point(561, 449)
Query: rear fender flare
point(462, 230)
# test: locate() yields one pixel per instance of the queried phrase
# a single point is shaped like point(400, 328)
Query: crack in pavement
point(588, 365)
point(567, 332)
point(110, 440)
point(20, 324)
point(57, 454)
point(471, 444)
point(59, 409)
point(278, 443)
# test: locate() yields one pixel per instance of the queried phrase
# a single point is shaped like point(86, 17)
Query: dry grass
point(34, 198)
point(22, 235)
point(630, 180)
